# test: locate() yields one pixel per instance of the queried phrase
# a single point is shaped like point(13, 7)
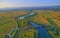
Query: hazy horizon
point(28, 3)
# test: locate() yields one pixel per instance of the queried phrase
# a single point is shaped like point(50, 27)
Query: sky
point(28, 3)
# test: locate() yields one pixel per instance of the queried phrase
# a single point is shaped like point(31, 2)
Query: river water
point(42, 32)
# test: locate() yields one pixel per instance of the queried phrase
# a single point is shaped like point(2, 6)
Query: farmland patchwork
point(30, 24)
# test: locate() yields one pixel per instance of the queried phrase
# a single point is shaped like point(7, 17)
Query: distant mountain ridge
point(33, 8)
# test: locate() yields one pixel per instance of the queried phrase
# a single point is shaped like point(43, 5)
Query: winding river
point(42, 32)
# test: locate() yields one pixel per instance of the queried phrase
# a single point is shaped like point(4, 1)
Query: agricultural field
point(30, 24)
point(51, 18)
point(7, 21)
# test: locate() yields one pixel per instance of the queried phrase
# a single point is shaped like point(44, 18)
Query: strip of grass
point(51, 22)
point(54, 27)
point(13, 33)
point(35, 34)
point(4, 23)
point(53, 34)
point(16, 34)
